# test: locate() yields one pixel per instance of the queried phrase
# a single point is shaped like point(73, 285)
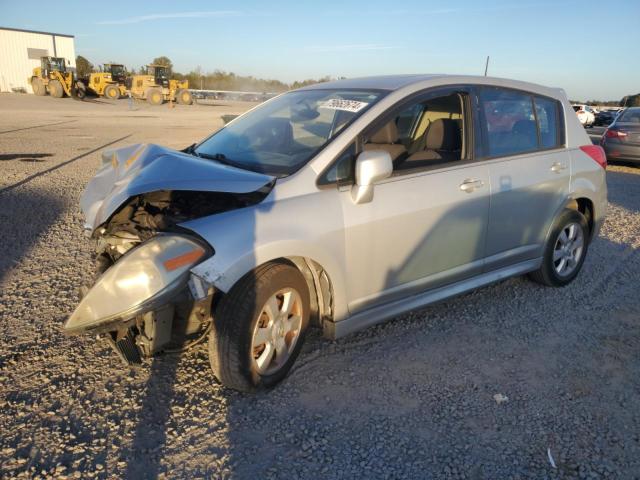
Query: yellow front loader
point(52, 77)
point(109, 83)
point(155, 87)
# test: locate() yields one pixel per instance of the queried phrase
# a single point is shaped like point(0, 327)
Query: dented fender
point(290, 227)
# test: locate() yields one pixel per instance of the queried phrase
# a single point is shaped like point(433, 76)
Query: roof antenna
point(486, 66)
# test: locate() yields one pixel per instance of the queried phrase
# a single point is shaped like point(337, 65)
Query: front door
point(420, 231)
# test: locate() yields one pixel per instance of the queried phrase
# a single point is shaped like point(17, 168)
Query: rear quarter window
point(549, 122)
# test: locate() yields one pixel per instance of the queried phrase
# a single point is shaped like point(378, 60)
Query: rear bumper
point(619, 151)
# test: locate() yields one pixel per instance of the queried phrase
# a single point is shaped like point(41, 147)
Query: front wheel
point(259, 327)
point(154, 96)
point(55, 89)
point(112, 92)
point(565, 251)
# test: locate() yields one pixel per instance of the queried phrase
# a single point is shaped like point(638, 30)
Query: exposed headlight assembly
point(143, 278)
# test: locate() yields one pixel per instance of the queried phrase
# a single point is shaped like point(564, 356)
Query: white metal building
point(20, 52)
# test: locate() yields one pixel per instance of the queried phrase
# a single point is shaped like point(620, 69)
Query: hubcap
point(568, 249)
point(277, 330)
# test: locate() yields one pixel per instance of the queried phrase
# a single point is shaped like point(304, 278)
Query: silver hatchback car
point(338, 205)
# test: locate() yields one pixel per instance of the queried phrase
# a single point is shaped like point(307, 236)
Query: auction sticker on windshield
point(341, 104)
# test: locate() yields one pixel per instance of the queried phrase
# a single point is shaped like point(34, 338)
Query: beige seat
point(387, 139)
point(442, 144)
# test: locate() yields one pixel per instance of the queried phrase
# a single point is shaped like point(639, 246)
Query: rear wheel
point(154, 96)
point(55, 89)
point(38, 87)
point(565, 251)
point(259, 328)
point(183, 97)
point(112, 92)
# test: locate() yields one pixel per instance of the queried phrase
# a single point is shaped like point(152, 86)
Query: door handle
point(558, 167)
point(470, 184)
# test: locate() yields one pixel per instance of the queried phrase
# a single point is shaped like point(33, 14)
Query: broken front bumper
point(141, 291)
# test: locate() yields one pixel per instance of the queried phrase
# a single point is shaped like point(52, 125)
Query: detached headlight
point(145, 275)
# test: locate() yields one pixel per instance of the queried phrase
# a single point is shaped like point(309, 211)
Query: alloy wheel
point(568, 249)
point(277, 331)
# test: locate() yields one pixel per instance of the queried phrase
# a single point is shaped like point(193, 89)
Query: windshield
point(280, 136)
point(117, 69)
point(56, 64)
point(630, 115)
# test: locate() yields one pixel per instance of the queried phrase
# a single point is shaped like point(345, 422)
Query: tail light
point(596, 153)
point(613, 133)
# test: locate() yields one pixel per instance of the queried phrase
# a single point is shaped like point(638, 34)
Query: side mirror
point(371, 167)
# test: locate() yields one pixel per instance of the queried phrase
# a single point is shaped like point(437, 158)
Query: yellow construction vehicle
point(155, 87)
point(52, 76)
point(109, 82)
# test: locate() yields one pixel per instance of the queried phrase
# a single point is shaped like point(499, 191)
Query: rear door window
point(510, 124)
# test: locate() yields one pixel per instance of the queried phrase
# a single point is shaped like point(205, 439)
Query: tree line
point(221, 80)
point(216, 80)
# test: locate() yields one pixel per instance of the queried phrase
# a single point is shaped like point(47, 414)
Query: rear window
point(518, 122)
point(630, 115)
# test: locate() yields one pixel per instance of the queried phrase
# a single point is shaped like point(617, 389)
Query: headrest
point(443, 134)
point(525, 127)
point(387, 134)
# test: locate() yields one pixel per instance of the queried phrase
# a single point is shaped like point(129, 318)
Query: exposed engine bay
point(143, 216)
point(185, 318)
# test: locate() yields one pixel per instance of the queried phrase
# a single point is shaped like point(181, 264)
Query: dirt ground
point(413, 398)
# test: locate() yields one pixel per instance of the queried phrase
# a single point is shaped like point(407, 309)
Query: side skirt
point(381, 313)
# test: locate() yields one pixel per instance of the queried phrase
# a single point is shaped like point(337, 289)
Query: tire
point(80, 91)
point(112, 92)
point(38, 87)
point(183, 97)
point(55, 89)
point(235, 351)
point(550, 272)
point(154, 96)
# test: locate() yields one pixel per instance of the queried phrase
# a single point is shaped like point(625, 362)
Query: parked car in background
point(621, 141)
point(339, 205)
point(604, 118)
point(585, 114)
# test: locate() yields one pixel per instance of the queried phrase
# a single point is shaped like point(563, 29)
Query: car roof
point(397, 82)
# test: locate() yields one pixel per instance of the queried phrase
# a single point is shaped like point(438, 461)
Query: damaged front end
point(145, 299)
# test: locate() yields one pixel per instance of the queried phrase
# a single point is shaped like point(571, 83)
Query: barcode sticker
point(346, 105)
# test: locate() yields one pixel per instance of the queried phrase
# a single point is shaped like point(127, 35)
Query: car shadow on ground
point(28, 213)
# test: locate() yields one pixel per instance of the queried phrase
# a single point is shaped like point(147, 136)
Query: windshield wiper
point(218, 157)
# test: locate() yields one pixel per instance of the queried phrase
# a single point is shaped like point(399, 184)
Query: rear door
point(529, 171)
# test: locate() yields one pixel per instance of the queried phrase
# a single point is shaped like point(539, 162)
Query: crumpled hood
point(145, 168)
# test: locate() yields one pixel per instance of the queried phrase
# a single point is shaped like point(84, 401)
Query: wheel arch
point(322, 276)
point(585, 206)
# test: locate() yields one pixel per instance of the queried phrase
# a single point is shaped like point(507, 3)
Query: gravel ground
point(413, 398)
